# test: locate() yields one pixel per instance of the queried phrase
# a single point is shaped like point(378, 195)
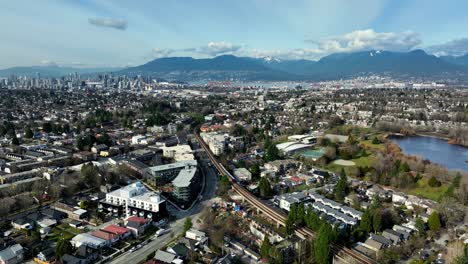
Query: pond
point(437, 150)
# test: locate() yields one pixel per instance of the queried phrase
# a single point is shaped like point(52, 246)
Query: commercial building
point(135, 199)
point(186, 185)
point(163, 174)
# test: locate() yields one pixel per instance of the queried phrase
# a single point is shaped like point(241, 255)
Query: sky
point(119, 33)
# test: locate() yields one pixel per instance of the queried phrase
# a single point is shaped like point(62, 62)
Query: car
point(233, 255)
point(138, 246)
point(226, 244)
point(132, 249)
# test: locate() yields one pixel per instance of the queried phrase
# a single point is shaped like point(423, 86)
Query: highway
point(275, 214)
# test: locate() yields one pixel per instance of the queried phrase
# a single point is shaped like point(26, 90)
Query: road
point(210, 178)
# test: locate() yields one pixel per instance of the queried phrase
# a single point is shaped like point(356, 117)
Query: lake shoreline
point(449, 140)
point(425, 146)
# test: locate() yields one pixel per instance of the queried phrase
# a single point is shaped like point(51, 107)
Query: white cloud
point(456, 47)
point(369, 39)
point(161, 53)
point(359, 40)
point(108, 22)
point(217, 48)
point(48, 63)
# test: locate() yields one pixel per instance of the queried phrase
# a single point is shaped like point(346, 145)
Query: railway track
point(277, 215)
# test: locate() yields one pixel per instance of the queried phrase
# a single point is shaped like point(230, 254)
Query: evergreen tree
point(272, 153)
point(377, 221)
point(312, 220)
point(264, 187)
point(15, 141)
point(434, 222)
point(366, 221)
point(300, 214)
point(63, 247)
point(420, 225)
point(28, 133)
point(265, 247)
point(341, 186)
point(322, 244)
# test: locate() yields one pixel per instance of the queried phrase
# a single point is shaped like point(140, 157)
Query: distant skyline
point(117, 33)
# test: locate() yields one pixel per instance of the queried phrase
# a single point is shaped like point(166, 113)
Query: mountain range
point(416, 63)
point(52, 71)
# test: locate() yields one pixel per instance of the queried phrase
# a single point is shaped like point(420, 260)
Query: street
point(210, 181)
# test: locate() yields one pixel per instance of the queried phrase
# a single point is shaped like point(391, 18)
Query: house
point(82, 255)
point(286, 200)
point(88, 240)
point(243, 174)
point(98, 148)
point(405, 231)
point(399, 198)
point(382, 240)
point(12, 254)
point(119, 231)
point(179, 250)
point(137, 225)
point(45, 256)
point(366, 249)
point(164, 256)
point(195, 235)
point(392, 235)
point(22, 223)
point(75, 224)
point(46, 225)
point(108, 237)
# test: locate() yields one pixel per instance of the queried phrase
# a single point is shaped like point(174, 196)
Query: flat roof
point(174, 165)
point(184, 178)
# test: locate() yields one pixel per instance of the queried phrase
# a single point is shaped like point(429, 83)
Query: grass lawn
point(367, 144)
point(424, 190)
point(56, 234)
point(364, 161)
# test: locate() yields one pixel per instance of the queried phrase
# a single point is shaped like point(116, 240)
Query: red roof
point(137, 219)
point(115, 229)
point(296, 179)
point(103, 235)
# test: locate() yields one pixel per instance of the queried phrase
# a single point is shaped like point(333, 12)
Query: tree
point(375, 141)
point(255, 170)
point(322, 244)
point(312, 220)
point(28, 133)
point(63, 247)
point(84, 204)
point(434, 222)
point(15, 141)
point(265, 247)
point(264, 187)
point(90, 174)
point(300, 214)
point(223, 185)
point(291, 220)
point(420, 225)
point(366, 221)
point(377, 220)
point(272, 153)
point(187, 224)
point(341, 187)
point(433, 182)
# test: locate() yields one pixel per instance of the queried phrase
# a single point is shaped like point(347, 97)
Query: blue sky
point(85, 33)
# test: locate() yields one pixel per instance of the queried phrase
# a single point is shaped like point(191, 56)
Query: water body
point(437, 150)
